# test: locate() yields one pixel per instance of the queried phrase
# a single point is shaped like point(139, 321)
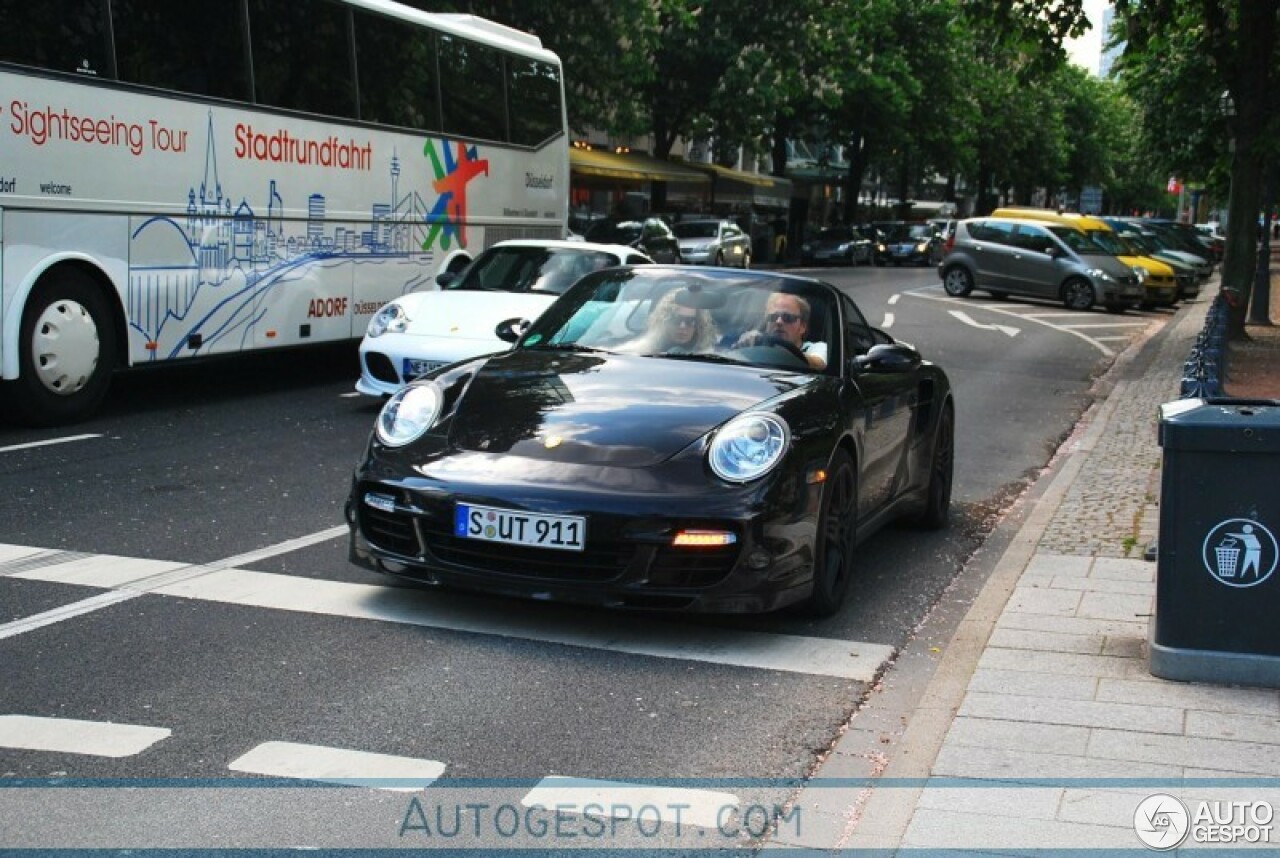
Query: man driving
point(786, 319)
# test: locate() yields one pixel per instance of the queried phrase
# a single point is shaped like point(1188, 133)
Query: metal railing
point(1205, 372)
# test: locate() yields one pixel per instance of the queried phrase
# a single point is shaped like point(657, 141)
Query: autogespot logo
point(1161, 821)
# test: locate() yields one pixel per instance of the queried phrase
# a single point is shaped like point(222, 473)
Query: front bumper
point(629, 561)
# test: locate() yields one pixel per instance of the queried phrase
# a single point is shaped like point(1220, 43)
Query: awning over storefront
point(736, 186)
point(642, 168)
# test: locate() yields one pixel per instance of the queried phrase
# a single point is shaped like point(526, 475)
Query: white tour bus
point(188, 179)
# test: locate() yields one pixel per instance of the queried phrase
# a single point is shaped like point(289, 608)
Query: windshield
point(1078, 241)
point(615, 232)
point(1106, 239)
point(531, 269)
point(677, 314)
point(696, 229)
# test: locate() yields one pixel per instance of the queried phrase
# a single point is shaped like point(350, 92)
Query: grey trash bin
point(1217, 615)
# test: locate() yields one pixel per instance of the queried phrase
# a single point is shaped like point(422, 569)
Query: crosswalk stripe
point(853, 660)
point(70, 736)
point(339, 766)
point(672, 805)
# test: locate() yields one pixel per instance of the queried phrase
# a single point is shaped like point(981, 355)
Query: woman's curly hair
point(705, 338)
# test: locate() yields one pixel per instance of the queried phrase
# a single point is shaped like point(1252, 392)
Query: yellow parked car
point(1160, 281)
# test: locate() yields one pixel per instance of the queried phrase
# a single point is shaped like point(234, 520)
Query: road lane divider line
point(703, 808)
point(128, 577)
point(73, 736)
point(888, 321)
point(339, 766)
point(12, 448)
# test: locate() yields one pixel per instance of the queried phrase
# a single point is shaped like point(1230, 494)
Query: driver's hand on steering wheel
point(749, 338)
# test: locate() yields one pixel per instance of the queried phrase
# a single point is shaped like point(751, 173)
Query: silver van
point(1006, 256)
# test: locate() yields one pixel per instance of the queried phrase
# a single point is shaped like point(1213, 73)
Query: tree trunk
point(1260, 305)
point(1250, 89)
point(781, 132)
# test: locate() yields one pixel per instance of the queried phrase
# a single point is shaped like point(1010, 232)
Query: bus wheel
point(66, 351)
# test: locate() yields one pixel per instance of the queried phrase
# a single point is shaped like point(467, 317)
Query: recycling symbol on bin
point(1240, 552)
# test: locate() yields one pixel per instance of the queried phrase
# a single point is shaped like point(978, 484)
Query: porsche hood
point(604, 409)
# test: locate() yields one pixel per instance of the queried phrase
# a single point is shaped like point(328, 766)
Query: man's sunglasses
point(785, 318)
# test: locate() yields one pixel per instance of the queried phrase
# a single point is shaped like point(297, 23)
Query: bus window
point(397, 68)
point(471, 86)
point(59, 35)
point(301, 56)
point(188, 47)
point(535, 97)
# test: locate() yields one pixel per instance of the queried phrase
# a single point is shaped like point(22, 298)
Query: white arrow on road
point(964, 317)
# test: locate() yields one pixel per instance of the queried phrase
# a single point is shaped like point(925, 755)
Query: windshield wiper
point(709, 357)
point(566, 347)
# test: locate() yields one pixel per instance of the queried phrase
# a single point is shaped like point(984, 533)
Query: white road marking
point(853, 660)
point(888, 321)
point(1078, 325)
point(339, 766)
point(68, 439)
point(893, 299)
point(128, 577)
point(1000, 308)
point(1007, 330)
point(70, 736)
point(352, 395)
point(700, 807)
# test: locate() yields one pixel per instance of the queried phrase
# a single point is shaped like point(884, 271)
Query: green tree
point(1234, 46)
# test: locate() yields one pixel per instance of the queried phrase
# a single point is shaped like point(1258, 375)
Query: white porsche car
point(421, 331)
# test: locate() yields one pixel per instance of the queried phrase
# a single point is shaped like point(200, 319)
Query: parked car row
point(879, 243)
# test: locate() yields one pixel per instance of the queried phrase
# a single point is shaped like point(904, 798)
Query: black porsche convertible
point(663, 438)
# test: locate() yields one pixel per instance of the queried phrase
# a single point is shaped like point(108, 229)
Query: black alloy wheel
point(937, 504)
point(837, 538)
point(957, 281)
point(1077, 294)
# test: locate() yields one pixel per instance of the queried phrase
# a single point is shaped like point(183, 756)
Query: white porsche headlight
point(748, 447)
point(408, 414)
point(390, 319)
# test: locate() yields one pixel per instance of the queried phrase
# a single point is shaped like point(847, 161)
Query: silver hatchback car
point(1005, 256)
point(713, 242)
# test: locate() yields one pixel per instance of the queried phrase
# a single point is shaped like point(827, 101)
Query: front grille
point(690, 567)
point(381, 368)
point(391, 531)
point(601, 560)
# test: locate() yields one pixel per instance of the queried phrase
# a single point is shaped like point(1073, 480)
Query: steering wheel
point(787, 345)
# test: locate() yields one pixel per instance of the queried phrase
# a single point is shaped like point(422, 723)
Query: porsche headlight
point(408, 414)
point(391, 319)
point(748, 447)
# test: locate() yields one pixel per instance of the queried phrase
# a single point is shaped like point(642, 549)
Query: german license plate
point(414, 367)
point(539, 530)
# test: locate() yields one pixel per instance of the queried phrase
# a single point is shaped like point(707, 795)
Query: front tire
point(937, 504)
point(66, 351)
point(957, 282)
point(836, 540)
point(1077, 294)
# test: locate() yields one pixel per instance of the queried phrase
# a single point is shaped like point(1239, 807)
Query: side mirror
point(1053, 251)
point(444, 278)
point(510, 330)
point(888, 357)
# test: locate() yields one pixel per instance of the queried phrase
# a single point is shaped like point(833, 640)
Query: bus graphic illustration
point(1240, 552)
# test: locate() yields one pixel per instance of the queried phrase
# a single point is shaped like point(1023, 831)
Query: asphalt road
point(191, 536)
